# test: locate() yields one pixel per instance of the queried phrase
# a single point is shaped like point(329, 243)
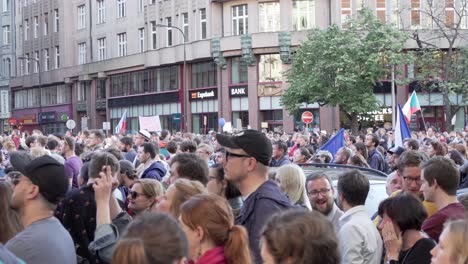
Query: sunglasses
point(135, 195)
point(230, 154)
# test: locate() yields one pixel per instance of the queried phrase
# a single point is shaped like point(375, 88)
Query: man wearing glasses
point(320, 192)
point(37, 191)
point(248, 155)
point(410, 171)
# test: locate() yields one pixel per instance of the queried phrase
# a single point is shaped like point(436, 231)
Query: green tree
point(341, 67)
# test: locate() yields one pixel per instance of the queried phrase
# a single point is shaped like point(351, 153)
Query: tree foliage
point(341, 67)
point(442, 60)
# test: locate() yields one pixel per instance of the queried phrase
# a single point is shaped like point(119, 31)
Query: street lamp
point(186, 95)
point(394, 110)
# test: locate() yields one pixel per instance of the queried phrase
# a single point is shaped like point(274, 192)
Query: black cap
point(396, 150)
point(45, 172)
point(253, 142)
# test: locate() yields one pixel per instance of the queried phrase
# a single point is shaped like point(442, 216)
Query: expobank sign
point(204, 94)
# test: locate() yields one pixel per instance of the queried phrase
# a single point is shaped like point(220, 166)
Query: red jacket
point(212, 256)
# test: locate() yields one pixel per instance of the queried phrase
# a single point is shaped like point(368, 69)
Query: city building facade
point(94, 60)
point(7, 61)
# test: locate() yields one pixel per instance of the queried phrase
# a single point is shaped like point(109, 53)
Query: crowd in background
point(230, 198)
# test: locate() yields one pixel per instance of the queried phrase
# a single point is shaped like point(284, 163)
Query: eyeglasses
point(135, 195)
point(323, 192)
point(230, 154)
point(410, 179)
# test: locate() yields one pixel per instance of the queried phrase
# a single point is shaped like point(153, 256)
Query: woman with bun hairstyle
point(208, 223)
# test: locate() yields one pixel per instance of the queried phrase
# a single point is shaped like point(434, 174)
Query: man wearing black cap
point(248, 154)
point(37, 192)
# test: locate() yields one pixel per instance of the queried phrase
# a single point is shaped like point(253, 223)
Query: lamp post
point(39, 78)
point(186, 94)
point(394, 110)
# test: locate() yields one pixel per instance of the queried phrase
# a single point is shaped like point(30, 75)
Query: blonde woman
point(292, 181)
point(452, 247)
point(143, 195)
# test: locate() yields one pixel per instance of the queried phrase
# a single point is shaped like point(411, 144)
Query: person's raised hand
point(392, 240)
point(103, 186)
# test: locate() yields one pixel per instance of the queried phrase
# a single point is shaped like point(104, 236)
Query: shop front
point(204, 109)
point(240, 106)
point(163, 105)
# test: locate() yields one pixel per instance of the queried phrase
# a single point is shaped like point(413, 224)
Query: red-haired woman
point(208, 223)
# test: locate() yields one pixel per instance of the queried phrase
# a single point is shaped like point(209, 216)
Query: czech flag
point(412, 106)
point(122, 125)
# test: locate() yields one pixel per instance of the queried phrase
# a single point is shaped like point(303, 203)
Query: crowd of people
point(230, 198)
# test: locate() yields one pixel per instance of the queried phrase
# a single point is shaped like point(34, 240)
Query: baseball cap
point(253, 142)
point(397, 150)
point(45, 172)
point(144, 133)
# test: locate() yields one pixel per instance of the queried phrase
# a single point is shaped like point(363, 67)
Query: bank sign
point(209, 94)
point(238, 91)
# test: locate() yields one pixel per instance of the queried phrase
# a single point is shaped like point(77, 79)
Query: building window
point(185, 26)
point(240, 24)
point(380, 10)
point(121, 5)
point(450, 13)
point(6, 5)
point(140, 6)
point(46, 24)
point(36, 61)
point(56, 20)
point(203, 23)
point(345, 11)
point(21, 69)
point(269, 68)
point(153, 35)
point(239, 71)
point(26, 29)
point(36, 26)
point(204, 74)
point(396, 13)
point(122, 44)
point(46, 60)
point(6, 35)
point(101, 7)
point(169, 31)
point(101, 89)
point(57, 57)
point(82, 53)
point(415, 14)
point(82, 91)
point(101, 49)
point(81, 17)
point(269, 14)
point(6, 67)
point(303, 14)
point(27, 69)
point(141, 39)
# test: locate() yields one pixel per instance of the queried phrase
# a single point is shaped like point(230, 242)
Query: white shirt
point(334, 217)
point(359, 239)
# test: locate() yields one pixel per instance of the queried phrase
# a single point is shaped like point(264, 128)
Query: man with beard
point(321, 192)
point(42, 184)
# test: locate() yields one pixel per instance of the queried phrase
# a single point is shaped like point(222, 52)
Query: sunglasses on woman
point(135, 195)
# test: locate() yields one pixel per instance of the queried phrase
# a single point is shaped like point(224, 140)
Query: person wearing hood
point(150, 167)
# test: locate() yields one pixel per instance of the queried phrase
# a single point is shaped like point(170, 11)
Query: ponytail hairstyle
point(151, 239)
point(214, 215)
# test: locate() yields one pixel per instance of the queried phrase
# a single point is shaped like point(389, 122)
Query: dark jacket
point(155, 171)
point(257, 209)
point(278, 163)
